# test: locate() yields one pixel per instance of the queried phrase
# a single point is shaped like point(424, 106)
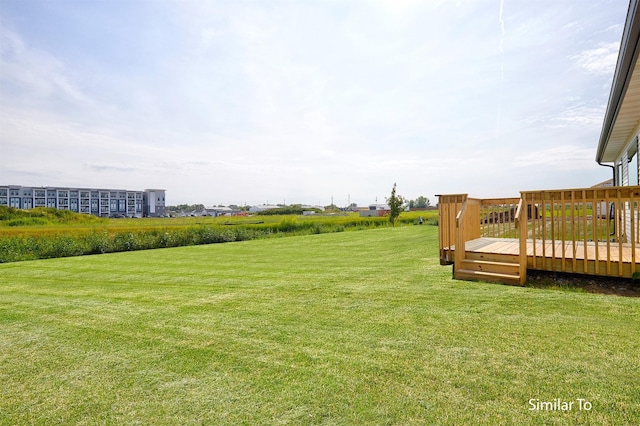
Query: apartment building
point(95, 201)
point(154, 205)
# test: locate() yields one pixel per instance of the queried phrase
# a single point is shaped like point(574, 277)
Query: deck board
point(580, 256)
point(512, 246)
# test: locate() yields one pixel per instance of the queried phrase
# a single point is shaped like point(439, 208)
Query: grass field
point(345, 328)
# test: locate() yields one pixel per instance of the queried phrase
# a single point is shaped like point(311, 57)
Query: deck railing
point(448, 208)
point(493, 218)
point(592, 231)
point(497, 217)
point(463, 219)
point(467, 228)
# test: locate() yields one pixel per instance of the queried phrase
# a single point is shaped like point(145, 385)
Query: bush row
point(48, 246)
point(17, 248)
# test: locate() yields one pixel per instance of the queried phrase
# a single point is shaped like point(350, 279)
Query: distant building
point(605, 184)
point(96, 201)
point(154, 204)
point(375, 210)
point(263, 207)
point(221, 211)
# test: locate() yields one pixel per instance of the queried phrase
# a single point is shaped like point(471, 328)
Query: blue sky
point(249, 102)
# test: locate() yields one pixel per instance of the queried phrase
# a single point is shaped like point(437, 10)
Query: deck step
point(493, 277)
point(492, 257)
point(497, 270)
point(506, 268)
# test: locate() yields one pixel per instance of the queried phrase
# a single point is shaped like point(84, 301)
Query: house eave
point(623, 109)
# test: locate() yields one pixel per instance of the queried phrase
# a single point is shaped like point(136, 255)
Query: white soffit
point(626, 121)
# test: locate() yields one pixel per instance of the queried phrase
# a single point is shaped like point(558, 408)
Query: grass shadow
point(583, 283)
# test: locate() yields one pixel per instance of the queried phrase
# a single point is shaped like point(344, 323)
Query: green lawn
point(346, 328)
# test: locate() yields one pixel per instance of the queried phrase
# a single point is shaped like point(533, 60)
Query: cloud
point(600, 60)
point(32, 74)
point(63, 150)
point(108, 168)
point(573, 114)
point(561, 158)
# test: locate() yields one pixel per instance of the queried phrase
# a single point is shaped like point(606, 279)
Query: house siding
point(628, 173)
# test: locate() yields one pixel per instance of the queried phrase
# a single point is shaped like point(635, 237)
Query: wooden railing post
point(521, 226)
point(460, 241)
point(467, 228)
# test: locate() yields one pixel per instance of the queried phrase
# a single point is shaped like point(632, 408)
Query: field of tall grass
point(48, 233)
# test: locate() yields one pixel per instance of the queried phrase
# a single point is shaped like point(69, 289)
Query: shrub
point(98, 243)
point(125, 242)
point(57, 246)
point(14, 249)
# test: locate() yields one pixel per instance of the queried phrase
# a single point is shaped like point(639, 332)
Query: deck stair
point(489, 267)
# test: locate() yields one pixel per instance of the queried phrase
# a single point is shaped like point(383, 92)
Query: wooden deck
point(593, 231)
point(575, 257)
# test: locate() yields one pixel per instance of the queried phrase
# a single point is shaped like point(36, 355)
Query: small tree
point(395, 203)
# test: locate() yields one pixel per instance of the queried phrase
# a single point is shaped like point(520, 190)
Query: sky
point(309, 101)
